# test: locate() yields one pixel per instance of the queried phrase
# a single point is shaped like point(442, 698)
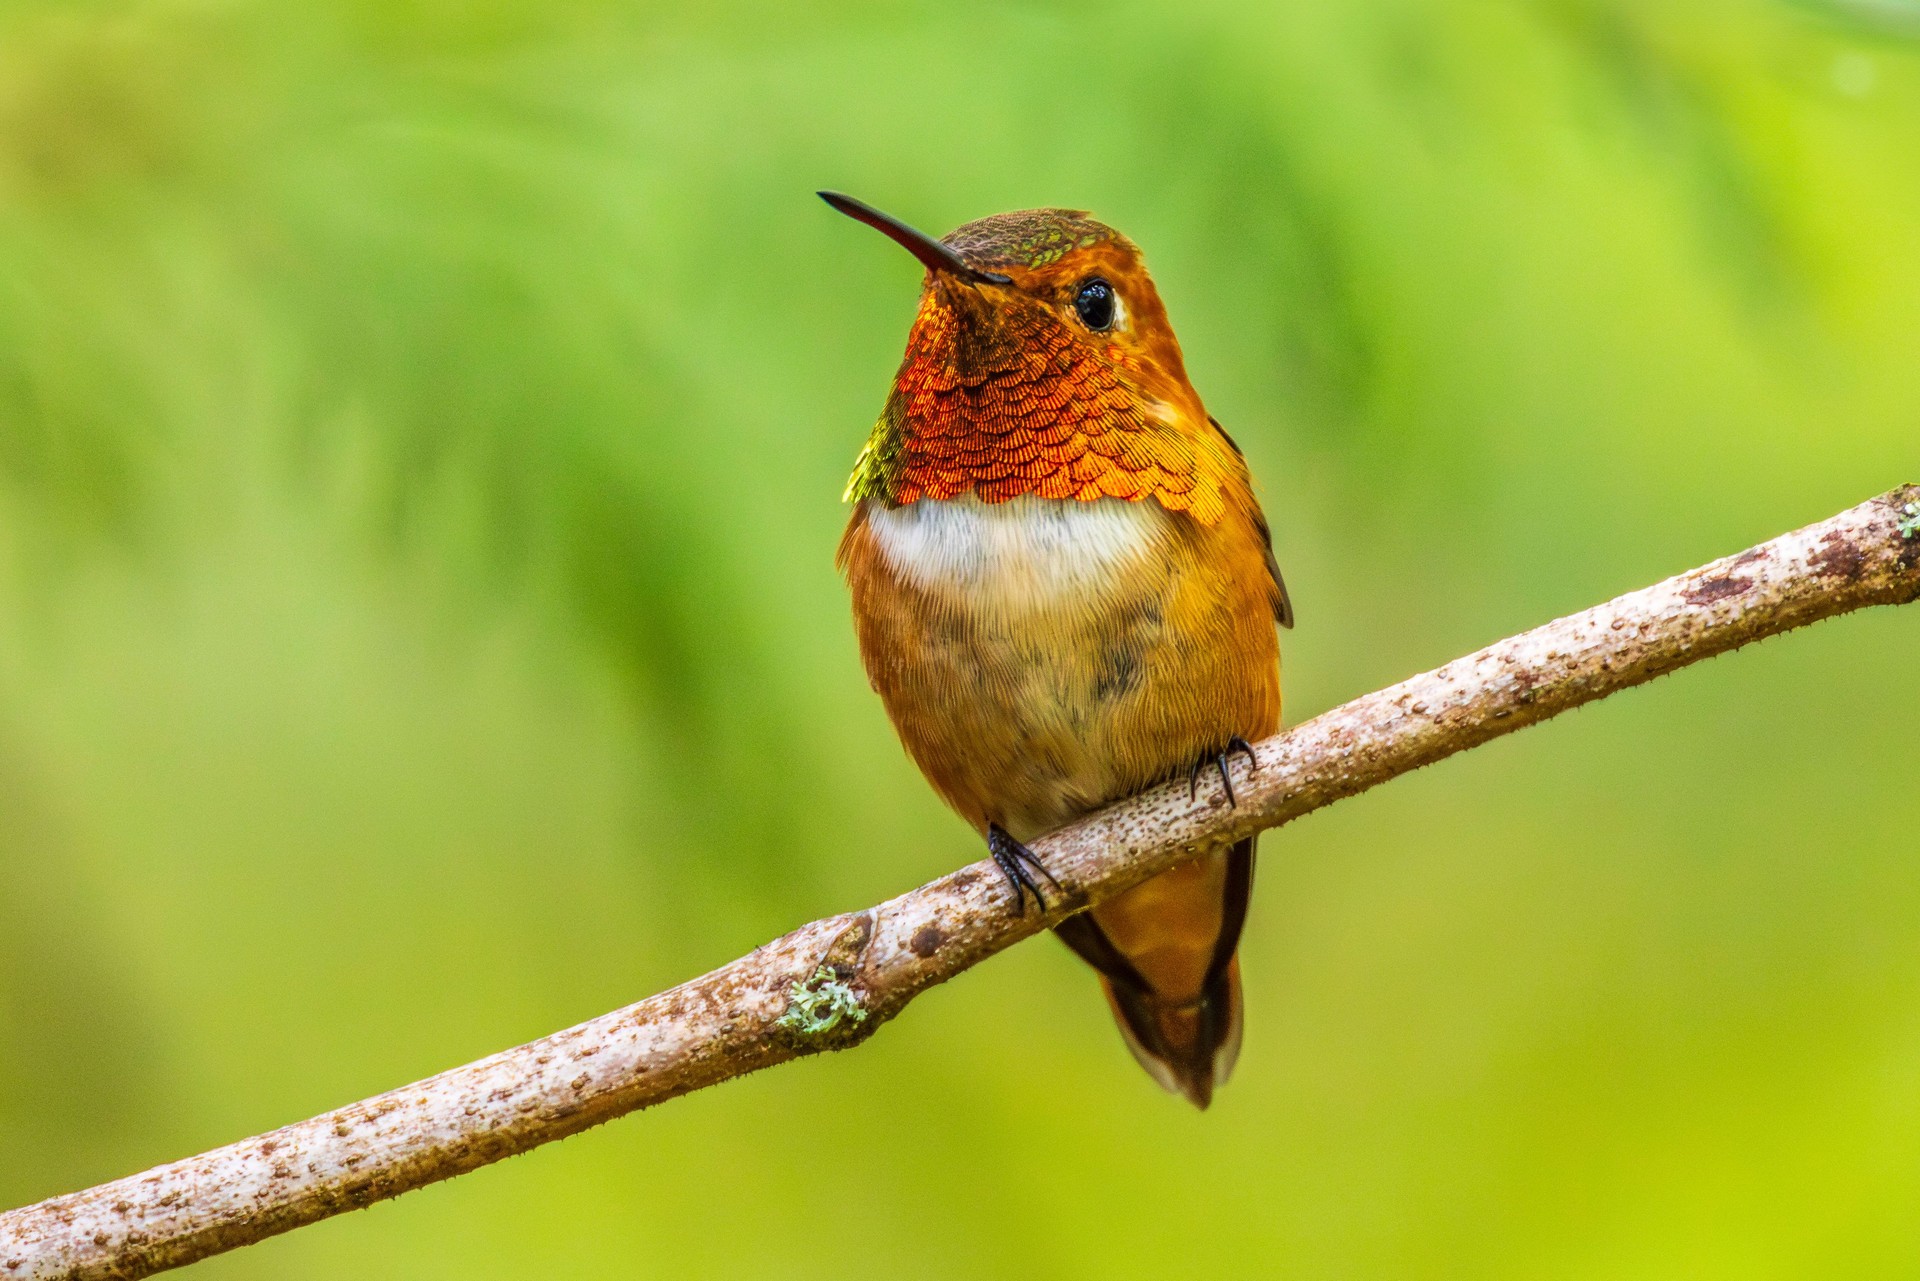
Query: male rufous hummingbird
point(1065, 593)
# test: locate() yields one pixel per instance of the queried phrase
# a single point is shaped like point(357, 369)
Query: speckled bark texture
point(830, 984)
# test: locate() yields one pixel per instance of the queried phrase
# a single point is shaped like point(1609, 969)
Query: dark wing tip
point(1283, 606)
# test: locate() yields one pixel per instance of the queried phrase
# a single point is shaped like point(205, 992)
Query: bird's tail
point(1165, 952)
point(1188, 1047)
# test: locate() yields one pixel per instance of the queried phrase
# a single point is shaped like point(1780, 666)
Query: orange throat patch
point(1005, 401)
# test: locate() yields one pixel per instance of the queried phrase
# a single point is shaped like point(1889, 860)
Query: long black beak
point(929, 251)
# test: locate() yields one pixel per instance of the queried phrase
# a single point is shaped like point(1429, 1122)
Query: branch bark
point(831, 984)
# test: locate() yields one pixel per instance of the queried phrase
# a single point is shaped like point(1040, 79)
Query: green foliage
point(421, 435)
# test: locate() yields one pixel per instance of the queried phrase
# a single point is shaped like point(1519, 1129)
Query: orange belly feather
point(1032, 696)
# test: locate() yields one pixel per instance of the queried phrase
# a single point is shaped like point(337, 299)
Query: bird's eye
point(1093, 303)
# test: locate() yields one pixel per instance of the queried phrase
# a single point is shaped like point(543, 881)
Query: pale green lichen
point(821, 1004)
point(1910, 527)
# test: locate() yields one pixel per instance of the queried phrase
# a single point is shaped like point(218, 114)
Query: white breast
point(1023, 554)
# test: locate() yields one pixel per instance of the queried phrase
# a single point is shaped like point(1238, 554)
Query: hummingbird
point(1065, 592)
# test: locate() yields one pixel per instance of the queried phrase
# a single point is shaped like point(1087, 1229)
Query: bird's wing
point(1282, 606)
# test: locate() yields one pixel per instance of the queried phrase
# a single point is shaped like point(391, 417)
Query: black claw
point(1226, 780)
point(1014, 859)
point(1222, 762)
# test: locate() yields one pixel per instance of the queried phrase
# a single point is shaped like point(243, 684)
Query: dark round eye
point(1094, 303)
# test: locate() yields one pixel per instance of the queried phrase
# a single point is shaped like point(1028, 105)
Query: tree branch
point(831, 984)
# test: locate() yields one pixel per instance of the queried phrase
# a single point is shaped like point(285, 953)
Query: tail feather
point(1189, 1048)
point(1187, 1045)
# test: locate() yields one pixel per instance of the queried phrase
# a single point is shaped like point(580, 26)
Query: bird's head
point(1041, 362)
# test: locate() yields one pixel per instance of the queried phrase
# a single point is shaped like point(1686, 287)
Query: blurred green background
point(421, 434)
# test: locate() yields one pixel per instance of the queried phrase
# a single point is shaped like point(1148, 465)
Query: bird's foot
point(1221, 760)
point(1019, 864)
